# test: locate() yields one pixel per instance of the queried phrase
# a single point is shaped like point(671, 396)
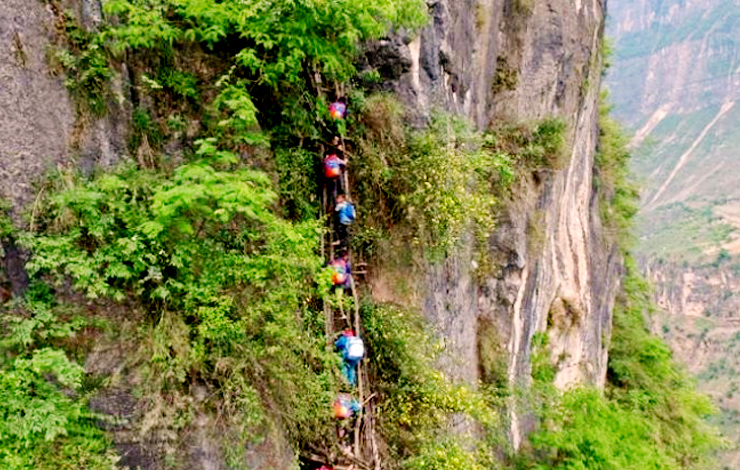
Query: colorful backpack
point(332, 168)
point(345, 406)
point(346, 212)
point(339, 276)
point(337, 110)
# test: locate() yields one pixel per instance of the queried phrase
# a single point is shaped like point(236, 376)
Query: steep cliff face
point(38, 116)
point(554, 271)
point(522, 61)
point(40, 127)
point(488, 60)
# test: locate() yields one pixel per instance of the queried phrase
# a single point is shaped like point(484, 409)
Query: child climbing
point(346, 406)
point(338, 114)
point(338, 109)
point(344, 216)
point(352, 349)
point(334, 166)
point(341, 271)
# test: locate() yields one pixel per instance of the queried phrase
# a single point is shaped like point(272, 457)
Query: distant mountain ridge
point(675, 82)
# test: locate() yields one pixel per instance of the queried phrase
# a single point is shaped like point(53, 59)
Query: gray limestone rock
point(550, 50)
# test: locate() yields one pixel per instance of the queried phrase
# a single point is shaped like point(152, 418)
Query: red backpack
point(332, 168)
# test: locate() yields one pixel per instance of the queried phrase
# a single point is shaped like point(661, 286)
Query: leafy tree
point(204, 251)
point(274, 48)
point(44, 421)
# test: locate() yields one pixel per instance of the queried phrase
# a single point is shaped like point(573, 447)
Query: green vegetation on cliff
point(649, 415)
point(200, 260)
point(45, 421)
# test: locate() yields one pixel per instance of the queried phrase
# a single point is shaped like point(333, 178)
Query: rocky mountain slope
point(698, 317)
point(675, 82)
point(197, 264)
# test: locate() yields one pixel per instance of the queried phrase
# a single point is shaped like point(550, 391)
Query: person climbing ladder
point(341, 271)
point(344, 217)
point(345, 407)
point(338, 109)
point(353, 412)
point(334, 166)
point(352, 350)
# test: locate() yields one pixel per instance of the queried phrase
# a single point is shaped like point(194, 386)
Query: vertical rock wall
point(39, 127)
point(36, 115)
point(486, 59)
point(521, 60)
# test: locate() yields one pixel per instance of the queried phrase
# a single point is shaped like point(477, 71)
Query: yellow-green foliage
point(523, 7)
point(618, 195)
point(439, 181)
point(416, 401)
point(506, 77)
point(536, 146)
point(446, 454)
point(445, 180)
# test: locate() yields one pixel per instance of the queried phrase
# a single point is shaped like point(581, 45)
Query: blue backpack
point(346, 213)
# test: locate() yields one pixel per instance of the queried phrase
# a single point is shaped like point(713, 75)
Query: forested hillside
point(170, 296)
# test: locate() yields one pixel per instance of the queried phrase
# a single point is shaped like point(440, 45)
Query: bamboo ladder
point(364, 438)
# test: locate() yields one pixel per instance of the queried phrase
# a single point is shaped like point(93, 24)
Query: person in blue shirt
point(353, 350)
point(345, 216)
